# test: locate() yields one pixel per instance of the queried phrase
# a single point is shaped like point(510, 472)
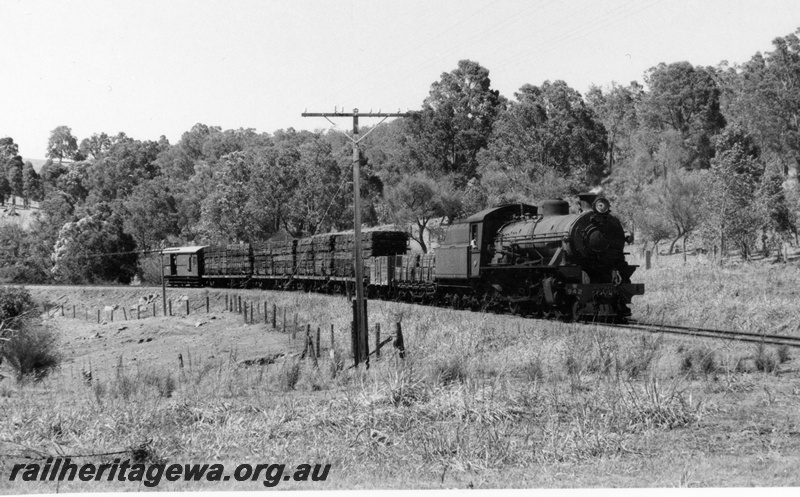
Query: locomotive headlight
point(601, 205)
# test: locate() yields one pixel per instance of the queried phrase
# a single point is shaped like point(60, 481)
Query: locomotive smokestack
point(586, 200)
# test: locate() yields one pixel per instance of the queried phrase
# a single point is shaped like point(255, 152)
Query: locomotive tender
point(541, 261)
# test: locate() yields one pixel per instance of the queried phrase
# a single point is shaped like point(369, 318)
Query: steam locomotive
point(529, 260)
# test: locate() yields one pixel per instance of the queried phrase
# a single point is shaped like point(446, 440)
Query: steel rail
point(742, 336)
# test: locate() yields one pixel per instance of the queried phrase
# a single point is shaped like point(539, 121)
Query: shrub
point(699, 360)
point(765, 361)
point(149, 270)
point(783, 354)
point(32, 352)
point(450, 369)
point(15, 302)
point(533, 370)
point(289, 375)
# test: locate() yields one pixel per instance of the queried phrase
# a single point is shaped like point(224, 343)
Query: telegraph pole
point(360, 315)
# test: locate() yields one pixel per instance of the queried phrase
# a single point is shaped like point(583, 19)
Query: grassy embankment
point(481, 400)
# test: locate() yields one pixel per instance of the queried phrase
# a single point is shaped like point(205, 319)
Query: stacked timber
point(262, 258)
point(283, 256)
point(374, 243)
point(214, 260)
point(377, 243)
point(323, 246)
point(230, 260)
point(239, 259)
point(343, 256)
point(305, 257)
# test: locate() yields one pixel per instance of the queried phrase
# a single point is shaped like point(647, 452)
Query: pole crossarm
point(359, 114)
point(361, 339)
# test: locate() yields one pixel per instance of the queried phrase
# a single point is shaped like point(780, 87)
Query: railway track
point(741, 336)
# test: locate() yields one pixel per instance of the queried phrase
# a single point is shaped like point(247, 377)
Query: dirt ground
point(89, 345)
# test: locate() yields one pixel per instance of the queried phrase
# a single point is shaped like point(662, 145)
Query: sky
point(152, 68)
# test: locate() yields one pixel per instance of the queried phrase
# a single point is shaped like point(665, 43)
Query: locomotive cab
point(468, 243)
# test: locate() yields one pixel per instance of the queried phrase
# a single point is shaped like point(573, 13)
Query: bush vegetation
point(29, 347)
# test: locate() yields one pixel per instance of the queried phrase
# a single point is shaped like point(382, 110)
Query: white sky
point(152, 68)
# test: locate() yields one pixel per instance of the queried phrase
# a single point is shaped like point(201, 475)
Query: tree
point(96, 146)
point(682, 199)
point(222, 215)
point(31, 184)
point(8, 149)
point(92, 250)
point(56, 209)
point(685, 99)
point(730, 199)
point(548, 136)
point(762, 96)
point(152, 213)
point(418, 199)
point(125, 164)
point(616, 109)
point(62, 145)
point(455, 122)
point(13, 170)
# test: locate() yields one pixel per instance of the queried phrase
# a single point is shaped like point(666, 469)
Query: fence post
point(206, 304)
point(62, 310)
point(294, 328)
point(245, 312)
point(252, 307)
point(138, 311)
point(318, 340)
point(170, 307)
point(377, 340)
point(398, 341)
point(647, 259)
point(112, 315)
point(314, 353)
point(227, 307)
point(154, 309)
point(125, 313)
point(274, 314)
point(266, 316)
point(284, 320)
point(240, 303)
point(332, 341)
point(98, 316)
point(187, 306)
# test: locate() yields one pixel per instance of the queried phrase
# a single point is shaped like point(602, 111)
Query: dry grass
point(481, 400)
